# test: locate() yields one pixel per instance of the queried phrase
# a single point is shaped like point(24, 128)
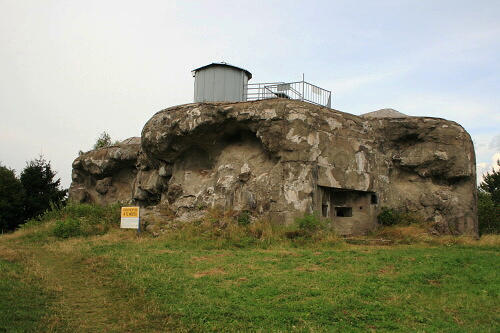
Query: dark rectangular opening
point(374, 199)
point(343, 211)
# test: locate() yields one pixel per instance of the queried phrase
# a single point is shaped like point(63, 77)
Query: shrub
point(387, 216)
point(307, 226)
point(390, 217)
point(67, 228)
point(244, 218)
point(309, 222)
point(293, 234)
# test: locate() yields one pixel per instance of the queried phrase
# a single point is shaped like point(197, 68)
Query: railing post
point(303, 86)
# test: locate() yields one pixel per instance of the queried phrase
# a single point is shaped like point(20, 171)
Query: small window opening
point(360, 207)
point(324, 210)
point(374, 199)
point(343, 211)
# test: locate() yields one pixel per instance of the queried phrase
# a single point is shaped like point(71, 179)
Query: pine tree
point(11, 200)
point(489, 203)
point(40, 187)
point(491, 185)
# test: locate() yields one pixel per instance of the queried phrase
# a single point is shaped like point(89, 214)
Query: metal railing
point(301, 90)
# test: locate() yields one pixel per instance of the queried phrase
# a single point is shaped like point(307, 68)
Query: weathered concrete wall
point(106, 175)
point(281, 158)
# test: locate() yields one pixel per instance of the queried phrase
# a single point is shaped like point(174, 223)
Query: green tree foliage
point(491, 185)
point(103, 141)
point(40, 187)
point(11, 200)
point(489, 203)
point(388, 216)
point(488, 214)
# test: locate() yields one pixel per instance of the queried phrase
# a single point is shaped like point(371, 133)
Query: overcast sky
point(70, 70)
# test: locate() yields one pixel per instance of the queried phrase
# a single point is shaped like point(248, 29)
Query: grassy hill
point(218, 275)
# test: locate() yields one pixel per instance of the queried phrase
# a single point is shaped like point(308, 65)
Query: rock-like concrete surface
point(106, 175)
point(384, 113)
point(282, 158)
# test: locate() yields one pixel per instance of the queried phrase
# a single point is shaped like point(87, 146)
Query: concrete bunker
point(351, 211)
point(282, 158)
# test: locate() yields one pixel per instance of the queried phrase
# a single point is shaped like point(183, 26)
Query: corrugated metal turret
point(220, 82)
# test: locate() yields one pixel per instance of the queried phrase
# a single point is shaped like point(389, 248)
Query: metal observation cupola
point(222, 82)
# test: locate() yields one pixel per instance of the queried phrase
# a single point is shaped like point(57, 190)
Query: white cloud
point(495, 143)
point(483, 168)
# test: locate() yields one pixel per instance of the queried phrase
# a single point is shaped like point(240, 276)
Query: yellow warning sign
point(130, 218)
point(130, 211)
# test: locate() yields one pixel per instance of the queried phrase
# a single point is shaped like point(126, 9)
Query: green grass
point(289, 289)
point(76, 219)
point(23, 302)
point(212, 276)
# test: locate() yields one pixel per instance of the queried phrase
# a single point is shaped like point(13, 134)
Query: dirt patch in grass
point(290, 254)
point(311, 268)
point(237, 282)
point(387, 270)
point(434, 283)
point(215, 271)
point(270, 259)
point(10, 255)
point(167, 251)
point(210, 258)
